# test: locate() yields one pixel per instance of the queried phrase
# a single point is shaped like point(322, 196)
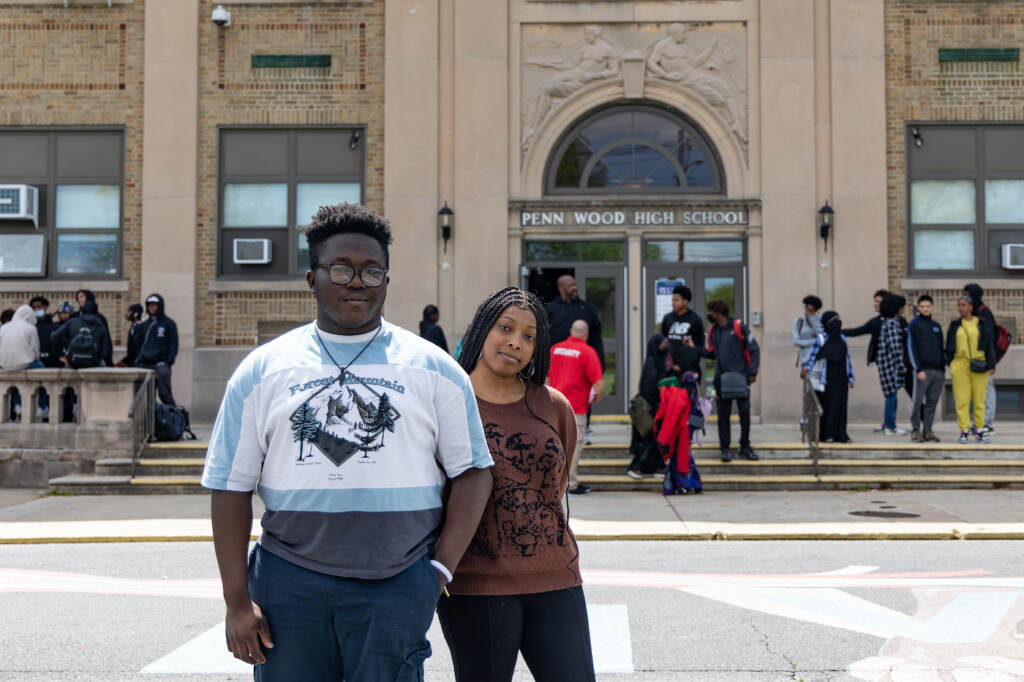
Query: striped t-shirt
point(351, 474)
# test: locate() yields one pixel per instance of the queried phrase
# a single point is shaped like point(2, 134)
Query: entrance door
point(707, 282)
point(602, 286)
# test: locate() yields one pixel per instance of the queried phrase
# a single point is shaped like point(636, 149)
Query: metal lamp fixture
point(825, 215)
point(446, 221)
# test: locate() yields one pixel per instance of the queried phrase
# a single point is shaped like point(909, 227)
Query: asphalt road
point(659, 611)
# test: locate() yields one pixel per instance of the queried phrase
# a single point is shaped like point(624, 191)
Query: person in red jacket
point(576, 373)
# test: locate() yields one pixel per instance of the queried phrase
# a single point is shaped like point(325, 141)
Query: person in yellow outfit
point(970, 367)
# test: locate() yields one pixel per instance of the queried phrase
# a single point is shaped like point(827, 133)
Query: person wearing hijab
point(642, 447)
point(987, 331)
point(891, 359)
point(837, 377)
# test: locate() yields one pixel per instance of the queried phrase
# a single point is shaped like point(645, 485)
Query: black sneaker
point(963, 437)
point(580, 489)
point(746, 452)
point(726, 455)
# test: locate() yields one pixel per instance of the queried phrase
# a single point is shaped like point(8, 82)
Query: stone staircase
point(176, 467)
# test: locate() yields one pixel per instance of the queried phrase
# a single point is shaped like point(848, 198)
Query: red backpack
point(1003, 337)
point(737, 329)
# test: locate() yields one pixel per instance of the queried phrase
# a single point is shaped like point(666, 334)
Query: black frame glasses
point(371, 276)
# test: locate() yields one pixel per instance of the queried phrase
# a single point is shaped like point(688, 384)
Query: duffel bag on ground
point(171, 423)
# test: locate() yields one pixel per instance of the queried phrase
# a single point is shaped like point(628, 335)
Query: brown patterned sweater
point(523, 544)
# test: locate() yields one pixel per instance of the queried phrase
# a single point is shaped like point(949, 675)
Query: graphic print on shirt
point(678, 330)
point(518, 521)
point(340, 421)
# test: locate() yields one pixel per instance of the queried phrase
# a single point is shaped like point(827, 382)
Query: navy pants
point(329, 628)
point(485, 634)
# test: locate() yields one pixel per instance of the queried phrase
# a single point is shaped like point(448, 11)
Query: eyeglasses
point(371, 276)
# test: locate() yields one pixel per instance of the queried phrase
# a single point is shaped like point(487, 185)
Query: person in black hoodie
point(643, 448)
point(45, 327)
point(83, 296)
point(925, 346)
point(681, 323)
point(154, 345)
point(730, 353)
point(987, 330)
point(874, 328)
point(61, 337)
point(431, 330)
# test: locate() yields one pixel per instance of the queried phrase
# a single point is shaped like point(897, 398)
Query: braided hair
point(489, 312)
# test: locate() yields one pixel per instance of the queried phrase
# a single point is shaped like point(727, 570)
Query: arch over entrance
point(732, 155)
point(634, 149)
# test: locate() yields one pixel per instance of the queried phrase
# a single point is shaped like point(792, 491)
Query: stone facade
point(920, 88)
point(231, 93)
point(91, 76)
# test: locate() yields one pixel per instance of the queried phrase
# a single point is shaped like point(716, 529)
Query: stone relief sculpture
point(596, 59)
point(708, 61)
point(674, 60)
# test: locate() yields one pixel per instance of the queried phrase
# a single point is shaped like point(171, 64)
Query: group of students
point(444, 490)
point(673, 360)
point(30, 338)
point(910, 356)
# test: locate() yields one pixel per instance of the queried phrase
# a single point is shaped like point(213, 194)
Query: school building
point(178, 146)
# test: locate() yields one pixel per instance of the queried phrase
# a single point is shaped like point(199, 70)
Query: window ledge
point(957, 282)
point(56, 285)
point(224, 286)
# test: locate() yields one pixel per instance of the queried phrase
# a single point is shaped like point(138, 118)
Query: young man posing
point(926, 345)
point(681, 323)
point(349, 428)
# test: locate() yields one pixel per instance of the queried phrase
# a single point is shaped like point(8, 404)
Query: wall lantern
point(825, 215)
point(446, 221)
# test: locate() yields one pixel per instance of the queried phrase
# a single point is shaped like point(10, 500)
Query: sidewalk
point(29, 517)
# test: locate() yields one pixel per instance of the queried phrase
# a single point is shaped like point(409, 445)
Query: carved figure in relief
point(672, 59)
point(597, 58)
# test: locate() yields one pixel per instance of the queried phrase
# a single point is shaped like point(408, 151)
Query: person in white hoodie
point(19, 347)
point(19, 341)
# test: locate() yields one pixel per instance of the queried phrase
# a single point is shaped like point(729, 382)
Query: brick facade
point(920, 88)
point(92, 75)
point(351, 91)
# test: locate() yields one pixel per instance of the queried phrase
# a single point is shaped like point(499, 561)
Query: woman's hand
point(803, 372)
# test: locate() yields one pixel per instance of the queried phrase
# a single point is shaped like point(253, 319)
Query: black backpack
point(84, 349)
point(171, 423)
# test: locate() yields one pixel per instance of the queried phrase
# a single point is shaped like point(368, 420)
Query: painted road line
point(207, 654)
point(610, 639)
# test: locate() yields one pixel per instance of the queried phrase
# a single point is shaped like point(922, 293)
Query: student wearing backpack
point(83, 341)
point(156, 345)
point(737, 359)
point(987, 330)
point(83, 296)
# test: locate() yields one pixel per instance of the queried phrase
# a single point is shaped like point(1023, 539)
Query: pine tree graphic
point(304, 426)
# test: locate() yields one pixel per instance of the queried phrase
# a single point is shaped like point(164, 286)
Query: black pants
point(485, 633)
point(163, 381)
point(724, 408)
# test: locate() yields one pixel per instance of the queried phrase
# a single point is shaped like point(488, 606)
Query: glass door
point(602, 287)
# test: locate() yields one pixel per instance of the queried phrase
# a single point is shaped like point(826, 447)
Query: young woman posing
point(517, 588)
point(970, 367)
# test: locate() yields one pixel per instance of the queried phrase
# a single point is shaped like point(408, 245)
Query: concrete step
point(93, 484)
point(182, 449)
point(724, 482)
point(804, 466)
point(174, 466)
point(929, 451)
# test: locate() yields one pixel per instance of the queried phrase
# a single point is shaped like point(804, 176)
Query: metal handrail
point(810, 422)
point(143, 416)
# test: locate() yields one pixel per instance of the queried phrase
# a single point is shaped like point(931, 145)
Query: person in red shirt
point(576, 373)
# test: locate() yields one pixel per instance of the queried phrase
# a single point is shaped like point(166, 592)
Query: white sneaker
point(880, 428)
point(895, 432)
point(633, 473)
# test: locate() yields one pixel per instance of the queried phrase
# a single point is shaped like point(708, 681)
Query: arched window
point(634, 149)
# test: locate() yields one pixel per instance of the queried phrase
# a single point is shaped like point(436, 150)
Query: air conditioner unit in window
point(252, 251)
point(1013, 256)
point(19, 202)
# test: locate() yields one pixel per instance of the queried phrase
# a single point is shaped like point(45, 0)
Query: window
point(965, 197)
point(272, 182)
point(634, 149)
point(79, 175)
point(693, 251)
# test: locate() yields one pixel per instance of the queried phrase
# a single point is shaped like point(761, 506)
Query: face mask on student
point(40, 313)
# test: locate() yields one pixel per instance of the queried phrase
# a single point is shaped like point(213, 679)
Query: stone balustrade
point(90, 418)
